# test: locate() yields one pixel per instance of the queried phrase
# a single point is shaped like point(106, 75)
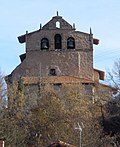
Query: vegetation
point(55, 117)
point(112, 120)
point(114, 75)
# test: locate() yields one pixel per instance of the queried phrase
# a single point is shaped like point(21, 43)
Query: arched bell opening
point(70, 43)
point(44, 44)
point(58, 41)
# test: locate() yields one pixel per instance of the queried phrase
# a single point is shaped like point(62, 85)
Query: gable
point(57, 22)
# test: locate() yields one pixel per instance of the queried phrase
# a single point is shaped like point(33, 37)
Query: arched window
point(57, 24)
point(44, 44)
point(70, 43)
point(58, 42)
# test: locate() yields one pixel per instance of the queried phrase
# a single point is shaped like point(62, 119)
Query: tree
point(114, 75)
point(112, 109)
point(53, 118)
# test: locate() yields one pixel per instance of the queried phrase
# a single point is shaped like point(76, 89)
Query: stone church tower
point(59, 55)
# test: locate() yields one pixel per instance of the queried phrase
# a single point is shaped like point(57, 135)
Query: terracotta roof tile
point(61, 144)
point(101, 74)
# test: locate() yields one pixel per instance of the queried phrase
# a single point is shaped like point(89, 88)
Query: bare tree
point(112, 119)
point(114, 75)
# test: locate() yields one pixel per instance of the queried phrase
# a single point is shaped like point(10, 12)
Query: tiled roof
point(60, 144)
point(95, 41)
point(101, 74)
point(108, 86)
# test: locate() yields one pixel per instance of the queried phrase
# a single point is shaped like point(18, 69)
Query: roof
point(108, 86)
point(101, 74)
point(63, 24)
point(22, 57)
point(95, 41)
point(56, 79)
point(60, 144)
point(22, 39)
point(52, 25)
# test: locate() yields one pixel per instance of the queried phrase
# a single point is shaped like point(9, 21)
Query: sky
point(19, 16)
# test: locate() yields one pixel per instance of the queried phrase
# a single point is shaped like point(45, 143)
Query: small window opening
point(58, 24)
point(70, 43)
point(88, 88)
point(53, 72)
point(57, 86)
point(44, 43)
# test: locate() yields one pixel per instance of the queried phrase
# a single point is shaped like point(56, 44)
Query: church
point(58, 55)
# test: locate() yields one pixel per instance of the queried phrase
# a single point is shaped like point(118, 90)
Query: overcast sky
point(17, 16)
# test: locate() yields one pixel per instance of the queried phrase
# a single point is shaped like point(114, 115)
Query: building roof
point(63, 24)
point(101, 74)
point(60, 144)
point(51, 25)
point(95, 41)
point(108, 86)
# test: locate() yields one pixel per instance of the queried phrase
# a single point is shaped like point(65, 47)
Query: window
point(88, 88)
point(44, 44)
point(57, 86)
point(70, 43)
point(58, 44)
point(58, 24)
point(52, 72)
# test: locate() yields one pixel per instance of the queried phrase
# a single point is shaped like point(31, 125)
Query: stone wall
point(82, 40)
point(77, 62)
point(66, 63)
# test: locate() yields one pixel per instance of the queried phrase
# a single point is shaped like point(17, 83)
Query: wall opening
point(57, 24)
point(44, 43)
point(70, 43)
point(57, 86)
point(52, 72)
point(58, 41)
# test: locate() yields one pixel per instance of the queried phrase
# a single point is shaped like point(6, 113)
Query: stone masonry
point(57, 51)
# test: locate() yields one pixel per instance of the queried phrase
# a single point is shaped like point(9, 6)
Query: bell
point(70, 44)
point(44, 45)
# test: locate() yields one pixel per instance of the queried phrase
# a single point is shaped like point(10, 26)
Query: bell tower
point(56, 54)
point(57, 45)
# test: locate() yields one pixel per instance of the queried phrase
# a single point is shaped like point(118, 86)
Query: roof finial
point(40, 26)
point(90, 30)
point(57, 13)
point(73, 25)
point(26, 32)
